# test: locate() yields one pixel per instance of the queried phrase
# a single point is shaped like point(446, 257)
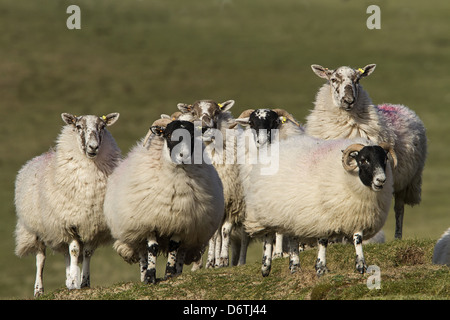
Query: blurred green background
point(141, 58)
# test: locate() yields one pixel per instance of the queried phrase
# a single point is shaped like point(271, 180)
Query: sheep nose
point(380, 181)
point(93, 148)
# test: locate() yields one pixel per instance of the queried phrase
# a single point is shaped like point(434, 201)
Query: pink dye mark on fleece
point(392, 111)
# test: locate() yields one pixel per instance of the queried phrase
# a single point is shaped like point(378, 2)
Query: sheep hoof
point(293, 267)
point(321, 269)
point(150, 276)
point(265, 271)
point(277, 255)
point(223, 262)
point(361, 266)
point(38, 292)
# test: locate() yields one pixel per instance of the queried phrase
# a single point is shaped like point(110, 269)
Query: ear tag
point(220, 105)
point(361, 70)
point(104, 118)
point(283, 119)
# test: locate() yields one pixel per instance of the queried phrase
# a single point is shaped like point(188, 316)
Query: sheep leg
point(143, 265)
point(235, 251)
point(267, 254)
point(210, 261)
point(152, 252)
point(88, 251)
point(360, 262)
point(278, 251)
point(218, 246)
point(224, 251)
point(174, 245)
point(180, 261)
point(321, 262)
point(196, 265)
point(73, 280)
point(244, 246)
point(399, 208)
point(40, 261)
point(294, 259)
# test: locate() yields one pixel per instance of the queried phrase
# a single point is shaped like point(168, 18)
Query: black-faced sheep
point(59, 197)
point(163, 198)
point(323, 189)
point(216, 120)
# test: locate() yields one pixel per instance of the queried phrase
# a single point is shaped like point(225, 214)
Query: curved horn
point(388, 148)
point(246, 113)
point(161, 123)
point(286, 114)
point(346, 155)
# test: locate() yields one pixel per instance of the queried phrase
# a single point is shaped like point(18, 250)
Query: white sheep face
point(90, 130)
point(344, 83)
point(206, 111)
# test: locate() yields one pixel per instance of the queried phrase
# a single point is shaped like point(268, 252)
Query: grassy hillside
point(141, 58)
point(406, 273)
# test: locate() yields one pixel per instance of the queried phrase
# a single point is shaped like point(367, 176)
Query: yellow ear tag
point(104, 118)
point(283, 120)
point(220, 105)
point(361, 70)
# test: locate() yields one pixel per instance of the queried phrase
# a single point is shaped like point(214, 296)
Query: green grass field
point(141, 58)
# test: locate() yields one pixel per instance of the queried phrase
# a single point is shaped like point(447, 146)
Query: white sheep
point(266, 124)
point(218, 119)
point(343, 109)
point(159, 199)
point(441, 254)
point(59, 197)
point(323, 189)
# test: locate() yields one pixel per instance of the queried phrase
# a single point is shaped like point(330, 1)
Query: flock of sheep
point(181, 188)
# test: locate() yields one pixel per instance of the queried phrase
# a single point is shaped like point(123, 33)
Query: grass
point(405, 266)
point(141, 58)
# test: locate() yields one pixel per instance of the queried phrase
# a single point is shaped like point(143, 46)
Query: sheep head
point(206, 111)
point(371, 162)
point(344, 83)
point(264, 120)
point(90, 130)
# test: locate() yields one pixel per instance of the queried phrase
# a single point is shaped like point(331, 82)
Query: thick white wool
point(315, 196)
point(59, 195)
point(147, 193)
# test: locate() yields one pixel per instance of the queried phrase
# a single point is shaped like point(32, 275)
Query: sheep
point(441, 253)
point(262, 122)
point(159, 200)
point(343, 109)
point(323, 189)
point(59, 197)
point(216, 120)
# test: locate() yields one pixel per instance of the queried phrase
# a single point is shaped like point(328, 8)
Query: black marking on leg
point(320, 267)
point(150, 276)
point(323, 242)
point(173, 245)
point(153, 249)
point(358, 239)
point(360, 265)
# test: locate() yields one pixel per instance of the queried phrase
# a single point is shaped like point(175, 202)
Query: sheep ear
point(227, 105)
point(165, 116)
point(367, 70)
point(243, 121)
point(184, 107)
point(322, 72)
point(110, 118)
point(68, 118)
point(157, 130)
